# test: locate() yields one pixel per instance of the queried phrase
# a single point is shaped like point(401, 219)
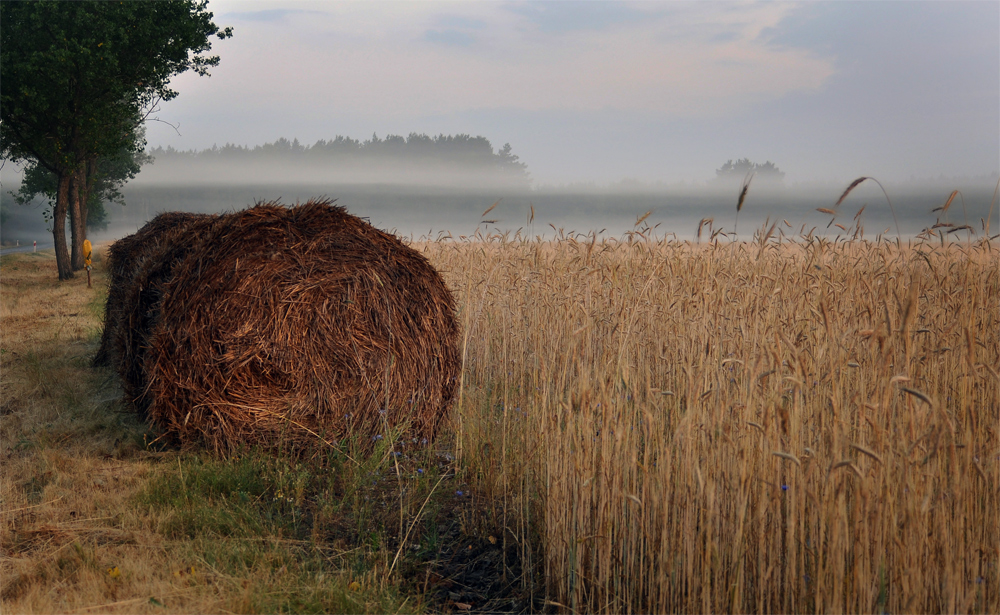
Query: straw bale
point(123, 261)
point(280, 324)
point(141, 294)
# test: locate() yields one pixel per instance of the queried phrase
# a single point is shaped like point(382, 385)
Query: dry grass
point(654, 427)
point(65, 480)
point(95, 521)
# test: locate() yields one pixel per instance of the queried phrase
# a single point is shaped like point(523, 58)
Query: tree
point(78, 80)
point(739, 170)
point(511, 164)
point(458, 154)
point(102, 183)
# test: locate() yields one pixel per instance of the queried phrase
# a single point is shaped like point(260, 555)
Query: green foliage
point(78, 79)
point(4, 210)
point(78, 74)
point(109, 175)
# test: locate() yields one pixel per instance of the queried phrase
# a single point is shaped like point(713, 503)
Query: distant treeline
point(744, 168)
point(390, 159)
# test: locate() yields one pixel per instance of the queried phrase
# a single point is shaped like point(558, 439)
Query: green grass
point(305, 529)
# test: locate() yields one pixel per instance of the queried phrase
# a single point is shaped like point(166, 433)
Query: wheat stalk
point(992, 201)
point(491, 207)
point(744, 187)
point(854, 184)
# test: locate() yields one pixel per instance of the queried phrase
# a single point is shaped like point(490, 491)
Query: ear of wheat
point(744, 187)
point(743, 191)
point(854, 184)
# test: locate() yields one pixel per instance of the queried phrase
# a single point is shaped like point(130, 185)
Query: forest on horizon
point(416, 158)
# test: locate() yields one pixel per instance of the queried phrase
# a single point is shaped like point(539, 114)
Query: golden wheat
point(784, 427)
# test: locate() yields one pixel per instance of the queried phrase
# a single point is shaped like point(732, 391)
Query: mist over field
point(435, 199)
point(428, 210)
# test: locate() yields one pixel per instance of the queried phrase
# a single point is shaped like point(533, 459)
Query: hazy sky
point(601, 91)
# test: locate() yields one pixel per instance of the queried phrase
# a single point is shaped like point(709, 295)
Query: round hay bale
point(292, 324)
point(123, 261)
point(140, 296)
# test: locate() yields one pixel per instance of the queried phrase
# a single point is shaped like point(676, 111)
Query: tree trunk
point(59, 229)
point(76, 219)
point(88, 175)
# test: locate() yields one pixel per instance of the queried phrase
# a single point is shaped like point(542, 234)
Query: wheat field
point(642, 425)
point(738, 427)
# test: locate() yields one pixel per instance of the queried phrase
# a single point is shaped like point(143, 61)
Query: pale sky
point(603, 91)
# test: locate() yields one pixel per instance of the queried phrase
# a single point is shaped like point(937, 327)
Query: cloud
point(450, 37)
point(267, 15)
point(639, 89)
point(460, 21)
point(684, 60)
point(573, 16)
point(455, 30)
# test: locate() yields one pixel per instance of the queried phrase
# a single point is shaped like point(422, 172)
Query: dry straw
point(854, 184)
point(989, 216)
point(744, 188)
point(124, 258)
point(298, 325)
point(787, 470)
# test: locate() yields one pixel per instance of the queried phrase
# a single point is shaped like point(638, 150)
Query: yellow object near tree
point(87, 252)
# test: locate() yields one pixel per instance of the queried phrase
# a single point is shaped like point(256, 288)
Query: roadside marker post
point(88, 251)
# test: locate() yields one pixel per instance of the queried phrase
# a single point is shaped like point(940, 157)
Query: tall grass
point(744, 427)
